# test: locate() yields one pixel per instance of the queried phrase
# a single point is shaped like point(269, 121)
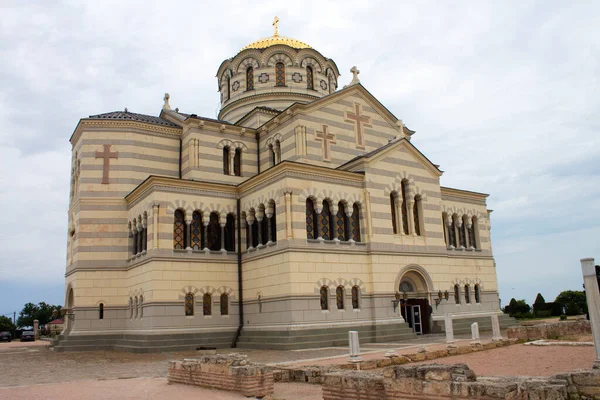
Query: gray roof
point(126, 115)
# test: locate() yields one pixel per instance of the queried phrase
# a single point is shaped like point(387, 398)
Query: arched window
point(230, 233)
point(224, 304)
point(416, 216)
point(331, 84)
point(324, 298)
point(197, 231)
point(250, 78)
point(477, 295)
point(130, 307)
point(189, 304)
point(452, 232)
point(272, 154)
point(254, 228)
point(355, 223)
point(462, 233)
point(273, 223)
point(326, 222)
point(214, 232)
point(179, 230)
point(135, 306)
point(467, 294)
point(101, 311)
point(311, 220)
point(339, 297)
point(472, 233)
point(404, 189)
point(457, 294)
point(279, 74)
point(226, 151)
point(355, 297)
point(228, 88)
point(207, 304)
point(393, 209)
point(141, 306)
point(237, 162)
point(310, 84)
point(406, 286)
point(444, 228)
point(342, 224)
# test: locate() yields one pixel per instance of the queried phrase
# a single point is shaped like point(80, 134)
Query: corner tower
point(274, 73)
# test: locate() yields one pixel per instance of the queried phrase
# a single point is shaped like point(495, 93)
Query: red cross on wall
point(327, 138)
point(107, 155)
point(359, 120)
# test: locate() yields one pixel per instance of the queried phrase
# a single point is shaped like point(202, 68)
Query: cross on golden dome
point(276, 39)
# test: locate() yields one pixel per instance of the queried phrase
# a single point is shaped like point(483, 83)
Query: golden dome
point(276, 39)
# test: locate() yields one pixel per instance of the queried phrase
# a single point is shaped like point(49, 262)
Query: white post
point(36, 328)
point(354, 346)
point(496, 334)
point(592, 294)
point(449, 328)
point(475, 333)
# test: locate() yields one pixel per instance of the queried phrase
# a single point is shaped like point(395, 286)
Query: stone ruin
point(435, 381)
point(230, 372)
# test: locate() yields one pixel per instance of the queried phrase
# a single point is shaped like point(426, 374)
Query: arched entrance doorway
point(415, 287)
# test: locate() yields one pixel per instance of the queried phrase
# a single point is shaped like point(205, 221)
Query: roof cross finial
point(355, 79)
point(276, 25)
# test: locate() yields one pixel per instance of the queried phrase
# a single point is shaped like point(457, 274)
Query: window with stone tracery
point(355, 297)
point(310, 84)
point(326, 222)
point(250, 78)
point(207, 304)
point(226, 151)
point(214, 232)
point(404, 189)
point(178, 230)
point(189, 304)
point(197, 231)
point(355, 222)
point(324, 292)
point(279, 74)
point(339, 297)
point(342, 223)
point(311, 220)
point(462, 234)
point(467, 294)
point(452, 232)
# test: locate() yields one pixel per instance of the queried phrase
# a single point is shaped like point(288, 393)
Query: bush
point(563, 317)
point(542, 314)
point(523, 315)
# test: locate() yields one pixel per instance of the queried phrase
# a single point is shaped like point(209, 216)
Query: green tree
point(573, 300)
point(6, 324)
point(539, 299)
point(41, 311)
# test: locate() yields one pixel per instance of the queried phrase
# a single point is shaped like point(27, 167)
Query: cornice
point(111, 125)
point(249, 99)
point(458, 195)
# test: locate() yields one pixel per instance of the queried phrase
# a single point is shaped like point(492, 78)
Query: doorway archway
point(415, 286)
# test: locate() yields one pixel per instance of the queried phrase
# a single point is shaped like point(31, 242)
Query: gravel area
point(520, 360)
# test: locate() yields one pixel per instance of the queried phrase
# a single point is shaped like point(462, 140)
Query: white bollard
point(496, 334)
point(592, 295)
point(475, 333)
point(449, 328)
point(354, 346)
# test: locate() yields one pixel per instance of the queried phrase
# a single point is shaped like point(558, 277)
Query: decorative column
point(269, 214)
point(130, 241)
point(277, 153)
point(222, 225)
point(458, 230)
point(410, 215)
point(188, 231)
point(467, 236)
point(144, 235)
point(451, 232)
point(399, 219)
point(318, 211)
point(155, 210)
point(139, 236)
point(259, 219)
point(592, 295)
point(288, 215)
point(205, 240)
point(231, 160)
point(250, 221)
point(367, 211)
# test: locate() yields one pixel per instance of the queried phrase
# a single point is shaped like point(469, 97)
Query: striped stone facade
point(143, 258)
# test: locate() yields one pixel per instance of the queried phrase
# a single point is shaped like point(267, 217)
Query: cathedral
point(302, 212)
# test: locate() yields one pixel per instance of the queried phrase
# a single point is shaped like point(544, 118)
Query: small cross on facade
point(106, 155)
point(327, 139)
point(359, 120)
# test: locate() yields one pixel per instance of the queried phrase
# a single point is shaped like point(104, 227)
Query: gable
point(345, 125)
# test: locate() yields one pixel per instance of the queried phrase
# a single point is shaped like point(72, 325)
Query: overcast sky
point(504, 95)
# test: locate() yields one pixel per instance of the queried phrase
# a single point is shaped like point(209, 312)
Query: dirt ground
point(521, 360)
